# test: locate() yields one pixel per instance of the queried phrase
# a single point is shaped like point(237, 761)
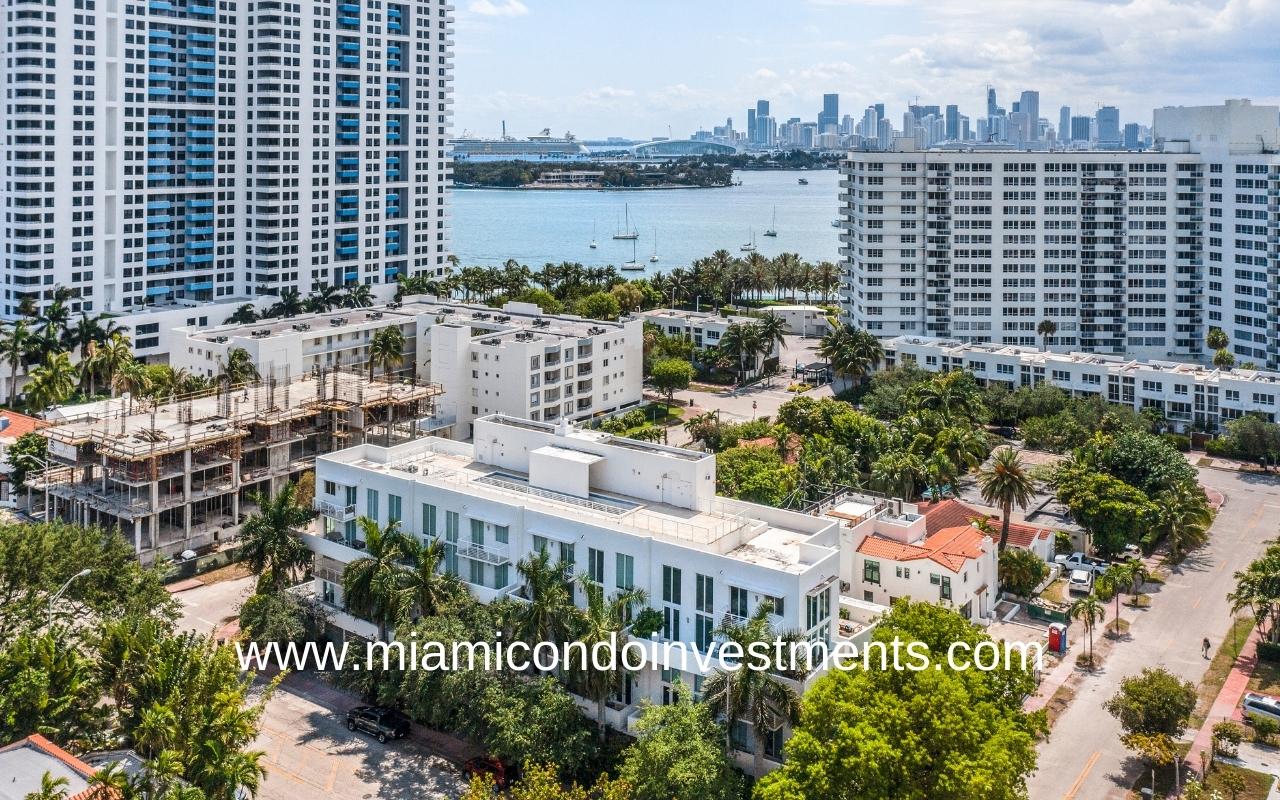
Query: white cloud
point(504, 8)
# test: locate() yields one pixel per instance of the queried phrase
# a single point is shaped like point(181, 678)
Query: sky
point(640, 68)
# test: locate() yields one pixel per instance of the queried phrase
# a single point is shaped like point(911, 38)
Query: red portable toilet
point(1057, 638)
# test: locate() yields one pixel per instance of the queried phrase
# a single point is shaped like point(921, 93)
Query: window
point(501, 576)
point(393, 508)
point(779, 606)
point(566, 554)
point(738, 601)
point(902, 572)
point(625, 577)
point(817, 608)
point(595, 565)
point(870, 571)
point(539, 544)
point(428, 519)
point(706, 590)
point(671, 623)
point(371, 504)
point(330, 488)
point(501, 534)
point(945, 592)
point(670, 585)
point(477, 572)
point(703, 626)
point(451, 526)
point(477, 532)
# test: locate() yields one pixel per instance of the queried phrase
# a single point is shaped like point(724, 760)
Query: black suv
point(384, 723)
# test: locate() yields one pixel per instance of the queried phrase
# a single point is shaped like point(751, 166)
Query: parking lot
point(310, 754)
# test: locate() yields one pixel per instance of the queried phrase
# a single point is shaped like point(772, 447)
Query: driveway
point(1083, 757)
point(204, 608)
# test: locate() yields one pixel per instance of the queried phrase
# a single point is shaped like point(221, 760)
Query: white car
point(1261, 705)
point(1081, 581)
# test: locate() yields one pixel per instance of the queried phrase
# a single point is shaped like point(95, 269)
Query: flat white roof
point(569, 455)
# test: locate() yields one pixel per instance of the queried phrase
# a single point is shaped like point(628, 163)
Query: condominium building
point(183, 475)
point(516, 361)
point(180, 153)
point(701, 328)
point(1126, 252)
point(1187, 395)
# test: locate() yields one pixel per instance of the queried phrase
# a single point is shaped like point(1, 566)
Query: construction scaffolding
point(183, 474)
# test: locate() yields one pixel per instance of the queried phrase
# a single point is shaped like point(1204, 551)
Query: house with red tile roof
point(24, 764)
point(12, 427)
point(953, 513)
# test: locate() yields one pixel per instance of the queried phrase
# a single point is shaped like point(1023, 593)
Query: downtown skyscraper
point(185, 152)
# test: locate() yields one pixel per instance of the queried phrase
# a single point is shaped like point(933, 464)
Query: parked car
point(1080, 561)
point(384, 723)
point(1080, 582)
point(1132, 552)
point(1261, 705)
point(487, 765)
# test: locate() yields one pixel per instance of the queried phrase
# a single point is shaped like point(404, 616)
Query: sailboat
point(653, 259)
point(633, 265)
point(772, 230)
point(626, 231)
point(750, 246)
point(593, 244)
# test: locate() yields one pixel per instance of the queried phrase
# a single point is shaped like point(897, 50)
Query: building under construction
point(181, 475)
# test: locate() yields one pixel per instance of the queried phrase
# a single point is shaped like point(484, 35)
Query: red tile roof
point(950, 547)
point(37, 742)
point(19, 424)
point(951, 513)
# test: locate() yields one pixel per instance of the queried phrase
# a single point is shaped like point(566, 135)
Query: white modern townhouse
point(632, 514)
point(515, 360)
point(167, 160)
point(1187, 395)
point(1131, 252)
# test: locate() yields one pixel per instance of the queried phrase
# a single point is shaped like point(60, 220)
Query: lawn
point(1056, 592)
point(1266, 678)
point(1256, 784)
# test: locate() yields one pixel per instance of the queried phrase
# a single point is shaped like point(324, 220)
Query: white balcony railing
point(334, 511)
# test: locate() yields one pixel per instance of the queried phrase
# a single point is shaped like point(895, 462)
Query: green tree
point(867, 734)
point(898, 473)
point(238, 368)
point(754, 692)
point(276, 617)
point(1047, 329)
point(1089, 611)
point(1005, 483)
point(1113, 512)
point(1021, 571)
point(1140, 459)
point(51, 788)
point(1258, 591)
point(51, 382)
point(50, 688)
point(598, 305)
point(431, 589)
point(671, 375)
point(386, 350)
point(548, 589)
point(14, 341)
point(1216, 339)
point(602, 622)
point(678, 754)
point(374, 585)
point(269, 540)
point(754, 473)
point(27, 454)
point(1153, 702)
point(851, 352)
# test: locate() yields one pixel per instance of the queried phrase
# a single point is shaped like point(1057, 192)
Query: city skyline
point(1132, 56)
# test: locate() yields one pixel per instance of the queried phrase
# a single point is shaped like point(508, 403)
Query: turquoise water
point(536, 227)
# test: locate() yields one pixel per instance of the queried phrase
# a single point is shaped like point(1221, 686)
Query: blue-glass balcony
point(349, 60)
point(203, 52)
point(159, 119)
point(203, 244)
point(200, 176)
point(161, 33)
point(394, 26)
point(157, 47)
point(158, 205)
point(393, 160)
point(348, 251)
point(349, 97)
point(349, 46)
point(159, 162)
point(160, 91)
point(351, 276)
point(206, 11)
point(199, 203)
point(158, 134)
point(199, 286)
point(200, 93)
point(203, 258)
point(159, 262)
point(348, 199)
point(199, 162)
point(202, 231)
point(348, 174)
point(347, 213)
point(348, 84)
point(160, 63)
point(160, 247)
point(160, 5)
point(393, 174)
point(393, 50)
point(200, 218)
point(200, 37)
point(392, 234)
point(349, 8)
point(160, 148)
point(393, 12)
point(200, 135)
point(159, 219)
point(393, 122)
point(390, 271)
point(156, 291)
point(393, 247)
point(393, 63)
point(348, 122)
point(205, 79)
point(199, 120)
point(348, 237)
point(348, 161)
point(348, 136)
point(393, 137)
point(199, 148)
point(350, 22)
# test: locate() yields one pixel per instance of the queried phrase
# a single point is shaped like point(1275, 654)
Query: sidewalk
point(1226, 704)
point(1050, 683)
point(339, 701)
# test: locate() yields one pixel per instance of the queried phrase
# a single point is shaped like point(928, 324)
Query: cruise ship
point(543, 147)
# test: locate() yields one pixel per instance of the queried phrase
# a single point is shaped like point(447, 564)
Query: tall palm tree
point(1090, 611)
point(742, 342)
point(329, 297)
point(1114, 582)
point(131, 377)
point(602, 622)
point(111, 357)
point(1005, 483)
point(268, 539)
point(850, 351)
point(51, 788)
point(386, 350)
point(359, 295)
point(431, 588)
point(52, 382)
point(85, 332)
point(14, 342)
point(897, 473)
point(752, 692)
point(375, 586)
point(547, 584)
point(964, 446)
point(1183, 516)
point(772, 329)
point(289, 304)
point(1047, 329)
point(238, 368)
point(244, 314)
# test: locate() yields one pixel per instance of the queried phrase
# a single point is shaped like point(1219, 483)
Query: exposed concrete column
point(186, 493)
point(137, 536)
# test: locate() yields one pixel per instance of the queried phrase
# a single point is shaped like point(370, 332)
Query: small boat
point(626, 231)
point(633, 265)
point(750, 246)
point(653, 259)
point(772, 230)
point(804, 181)
point(593, 244)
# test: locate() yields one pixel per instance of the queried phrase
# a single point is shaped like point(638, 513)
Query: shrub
point(1180, 442)
point(1269, 651)
point(1264, 728)
point(1227, 737)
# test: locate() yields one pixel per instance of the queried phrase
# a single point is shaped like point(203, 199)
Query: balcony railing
point(335, 512)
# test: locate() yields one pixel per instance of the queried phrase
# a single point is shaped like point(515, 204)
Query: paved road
point(1084, 758)
point(205, 607)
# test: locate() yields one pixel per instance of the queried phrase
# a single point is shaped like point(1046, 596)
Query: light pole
point(82, 573)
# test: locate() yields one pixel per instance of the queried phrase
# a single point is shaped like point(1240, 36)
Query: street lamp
point(52, 600)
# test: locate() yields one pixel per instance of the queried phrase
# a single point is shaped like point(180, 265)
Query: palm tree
point(752, 692)
point(1217, 339)
point(51, 788)
point(1112, 583)
point(897, 473)
point(602, 622)
point(1183, 516)
point(268, 539)
point(703, 427)
point(328, 297)
point(940, 473)
point(359, 295)
point(772, 328)
point(547, 585)
point(1091, 611)
point(964, 446)
point(244, 315)
point(112, 357)
point(1223, 359)
point(131, 377)
point(13, 349)
point(743, 343)
point(850, 351)
point(1047, 329)
point(431, 588)
point(238, 368)
point(1005, 483)
point(386, 350)
point(52, 382)
point(375, 586)
point(289, 304)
